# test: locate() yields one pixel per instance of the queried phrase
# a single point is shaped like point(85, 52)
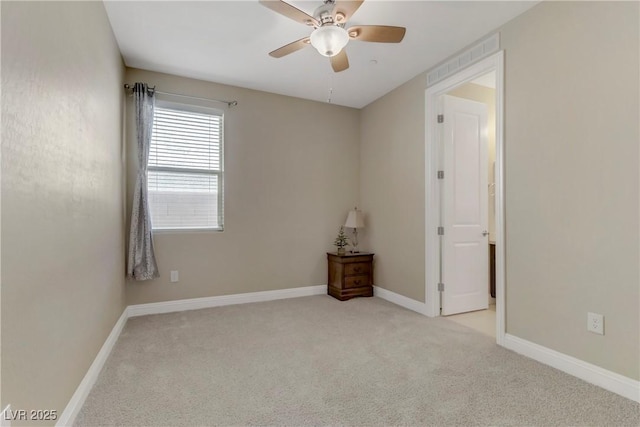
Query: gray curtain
point(142, 261)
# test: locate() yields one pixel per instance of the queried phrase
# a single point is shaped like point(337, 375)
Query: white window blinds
point(185, 171)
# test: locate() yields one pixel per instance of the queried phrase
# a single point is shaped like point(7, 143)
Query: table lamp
point(355, 220)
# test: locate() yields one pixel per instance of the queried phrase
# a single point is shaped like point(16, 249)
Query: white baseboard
point(208, 302)
point(601, 377)
point(400, 300)
point(5, 421)
point(69, 414)
point(593, 374)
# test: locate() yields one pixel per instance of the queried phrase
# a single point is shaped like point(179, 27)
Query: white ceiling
point(228, 42)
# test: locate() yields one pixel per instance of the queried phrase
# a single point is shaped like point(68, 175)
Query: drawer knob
point(356, 269)
point(357, 282)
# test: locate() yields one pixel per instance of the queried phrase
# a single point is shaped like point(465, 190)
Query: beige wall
point(392, 187)
point(571, 147)
point(291, 176)
point(487, 96)
point(572, 179)
point(62, 211)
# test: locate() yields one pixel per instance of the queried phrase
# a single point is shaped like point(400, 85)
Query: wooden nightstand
point(350, 275)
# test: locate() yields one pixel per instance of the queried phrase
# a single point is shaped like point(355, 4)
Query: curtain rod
point(153, 89)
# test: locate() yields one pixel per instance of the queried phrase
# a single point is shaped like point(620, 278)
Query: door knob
point(485, 232)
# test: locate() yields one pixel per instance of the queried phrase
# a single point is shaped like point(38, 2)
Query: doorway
point(464, 196)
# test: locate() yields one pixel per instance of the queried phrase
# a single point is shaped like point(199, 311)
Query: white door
point(465, 244)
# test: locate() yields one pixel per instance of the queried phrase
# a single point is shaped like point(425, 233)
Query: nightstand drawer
point(357, 268)
point(356, 281)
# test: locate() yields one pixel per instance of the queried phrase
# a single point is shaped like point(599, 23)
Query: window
point(185, 168)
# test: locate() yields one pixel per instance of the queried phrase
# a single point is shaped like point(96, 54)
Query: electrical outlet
point(595, 323)
point(174, 276)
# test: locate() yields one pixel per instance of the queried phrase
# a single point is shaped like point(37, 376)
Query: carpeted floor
point(319, 361)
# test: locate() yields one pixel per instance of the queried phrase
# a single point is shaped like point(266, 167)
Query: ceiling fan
point(329, 36)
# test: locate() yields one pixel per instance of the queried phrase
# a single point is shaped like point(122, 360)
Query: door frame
point(433, 154)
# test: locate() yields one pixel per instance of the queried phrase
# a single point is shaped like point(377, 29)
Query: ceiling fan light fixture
point(329, 40)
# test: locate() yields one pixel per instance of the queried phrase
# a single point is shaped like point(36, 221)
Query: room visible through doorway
point(482, 91)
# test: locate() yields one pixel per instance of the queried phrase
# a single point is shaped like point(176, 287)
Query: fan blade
point(343, 10)
point(377, 33)
point(290, 48)
point(340, 62)
point(292, 12)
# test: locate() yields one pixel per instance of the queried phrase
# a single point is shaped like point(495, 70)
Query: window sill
point(186, 230)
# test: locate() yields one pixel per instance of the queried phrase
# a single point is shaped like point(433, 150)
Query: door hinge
point(440, 174)
point(440, 287)
point(440, 231)
point(440, 118)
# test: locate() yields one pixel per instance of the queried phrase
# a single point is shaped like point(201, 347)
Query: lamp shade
point(355, 219)
point(329, 40)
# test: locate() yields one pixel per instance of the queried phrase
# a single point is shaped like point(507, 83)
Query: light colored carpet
point(319, 361)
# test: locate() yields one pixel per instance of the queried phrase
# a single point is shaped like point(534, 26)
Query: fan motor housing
point(324, 14)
